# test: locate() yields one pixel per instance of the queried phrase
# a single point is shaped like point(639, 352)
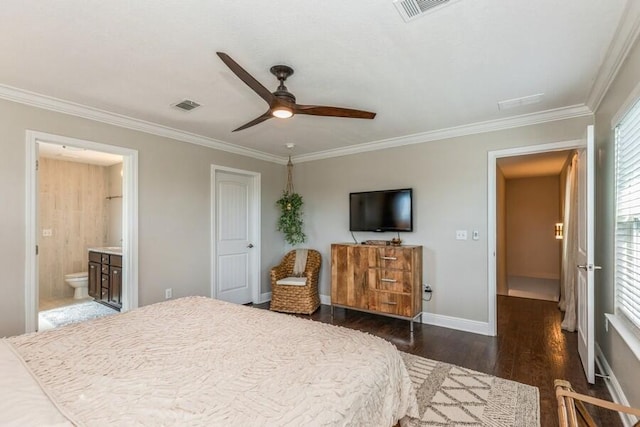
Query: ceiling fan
point(282, 103)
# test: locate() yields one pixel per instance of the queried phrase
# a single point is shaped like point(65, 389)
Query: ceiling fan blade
point(257, 120)
point(247, 78)
point(318, 110)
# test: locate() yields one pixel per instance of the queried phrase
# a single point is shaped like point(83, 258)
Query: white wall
point(449, 178)
point(174, 206)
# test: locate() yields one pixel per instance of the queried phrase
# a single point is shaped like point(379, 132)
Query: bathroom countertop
point(113, 250)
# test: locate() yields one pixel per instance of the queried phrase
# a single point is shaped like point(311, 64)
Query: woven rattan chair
point(573, 413)
point(296, 298)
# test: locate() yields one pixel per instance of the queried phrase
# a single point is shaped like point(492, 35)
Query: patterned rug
point(449, 395)
point(75, 313)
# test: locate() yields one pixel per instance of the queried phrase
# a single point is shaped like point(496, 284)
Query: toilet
point(80, 283)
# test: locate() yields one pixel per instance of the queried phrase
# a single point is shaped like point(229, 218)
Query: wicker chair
point(290, 298)
point(573, 413)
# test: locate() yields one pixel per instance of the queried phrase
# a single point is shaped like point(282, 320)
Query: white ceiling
point(76, 154)
point(532, 165)
point(446, 69)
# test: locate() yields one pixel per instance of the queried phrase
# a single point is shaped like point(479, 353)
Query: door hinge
point(37, 164)
point(36, 249)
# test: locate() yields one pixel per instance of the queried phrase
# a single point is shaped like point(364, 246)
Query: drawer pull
point(390, 258)
point(388, 280)
point(389, 302)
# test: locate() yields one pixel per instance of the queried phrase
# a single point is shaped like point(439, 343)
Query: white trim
point(623, 40)
point(631, 100)
point(492, 157)
point(625, 330)
point(129, 223)
point(456, 323)
point(453, 132)
point(325, 299)
point(265, 297)
point(66, 107)
point(255, 196)
point(615, 390)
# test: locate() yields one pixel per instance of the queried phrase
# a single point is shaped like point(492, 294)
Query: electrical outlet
point(168, 293)
point(47, 232)
point(461, 234)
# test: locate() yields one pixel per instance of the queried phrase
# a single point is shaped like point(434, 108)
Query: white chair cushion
point(293, 281)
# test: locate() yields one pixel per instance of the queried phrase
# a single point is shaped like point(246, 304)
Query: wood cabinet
point(378, 279)
point(105, 278)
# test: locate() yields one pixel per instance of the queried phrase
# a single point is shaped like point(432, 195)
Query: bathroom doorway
point(81, 197)
point(79, 209)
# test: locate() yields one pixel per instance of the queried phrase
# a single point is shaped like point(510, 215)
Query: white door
point(585, 277)
point(235, 277)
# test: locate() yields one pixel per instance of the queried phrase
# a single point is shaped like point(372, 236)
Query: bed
point(199, 361)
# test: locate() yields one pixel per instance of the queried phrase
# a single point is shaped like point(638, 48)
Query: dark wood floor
point(530, 348)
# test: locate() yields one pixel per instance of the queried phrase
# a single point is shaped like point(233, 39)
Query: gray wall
point(449, 179)
point(174, 206)
point(624, 364)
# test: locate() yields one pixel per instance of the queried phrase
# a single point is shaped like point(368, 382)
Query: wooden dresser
point(385, 280)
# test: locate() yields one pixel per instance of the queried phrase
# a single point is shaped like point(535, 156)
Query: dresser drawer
point(383, 279)
point(391, 303)
point(392, 258)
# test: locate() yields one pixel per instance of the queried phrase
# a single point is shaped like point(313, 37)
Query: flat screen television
point(387, 210)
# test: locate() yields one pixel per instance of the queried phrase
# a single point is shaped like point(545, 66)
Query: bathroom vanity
point(105, 276)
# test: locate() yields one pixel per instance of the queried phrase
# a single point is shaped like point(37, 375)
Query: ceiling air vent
point(412, 9)
point(186, 105)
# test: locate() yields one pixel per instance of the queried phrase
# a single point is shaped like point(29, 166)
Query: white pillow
point(293, 281)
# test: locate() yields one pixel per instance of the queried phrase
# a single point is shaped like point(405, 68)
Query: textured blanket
point(198, 361)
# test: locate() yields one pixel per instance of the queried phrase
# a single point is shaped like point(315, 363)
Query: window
point(627, 235)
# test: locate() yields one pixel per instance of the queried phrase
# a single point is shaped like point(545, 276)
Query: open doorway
point(530, 221)
point(495, 246)
point(79, 210)
point(78, 221)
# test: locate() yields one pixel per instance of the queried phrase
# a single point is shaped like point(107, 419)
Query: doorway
point(530, 210)
point(38, 236)
point(235, 235)
point(494, 245)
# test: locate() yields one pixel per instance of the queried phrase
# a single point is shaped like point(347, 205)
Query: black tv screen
point(388, 210)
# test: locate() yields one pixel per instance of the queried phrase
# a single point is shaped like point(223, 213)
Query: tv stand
point(383, 280)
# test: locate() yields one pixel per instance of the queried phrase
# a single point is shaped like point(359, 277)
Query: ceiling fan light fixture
point(282, 113)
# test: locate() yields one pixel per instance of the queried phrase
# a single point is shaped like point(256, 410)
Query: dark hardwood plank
point(530, 348)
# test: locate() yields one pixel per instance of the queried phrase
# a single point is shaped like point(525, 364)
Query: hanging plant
point(290, 204)
point(290, 221)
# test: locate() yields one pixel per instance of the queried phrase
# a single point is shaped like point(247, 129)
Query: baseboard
point(457, 323)
point(265, 297)
point(617, 394)
point(325, 299)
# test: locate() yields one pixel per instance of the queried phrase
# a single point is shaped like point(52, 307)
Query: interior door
point(234, 275)
point(585, 234)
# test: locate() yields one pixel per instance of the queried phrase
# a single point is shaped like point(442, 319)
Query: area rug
point(449, 395)
point(75, 313)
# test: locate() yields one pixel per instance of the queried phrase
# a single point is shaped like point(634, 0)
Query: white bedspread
point(198, 361)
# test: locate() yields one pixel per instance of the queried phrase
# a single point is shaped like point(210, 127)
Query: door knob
point(250, 245)
point(590, 267)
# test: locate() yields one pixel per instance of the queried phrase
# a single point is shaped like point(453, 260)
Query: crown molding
point(66, 107)
point(625, 36)
point(453, 132)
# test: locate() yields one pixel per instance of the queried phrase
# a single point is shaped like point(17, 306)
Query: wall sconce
point(558, 230)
